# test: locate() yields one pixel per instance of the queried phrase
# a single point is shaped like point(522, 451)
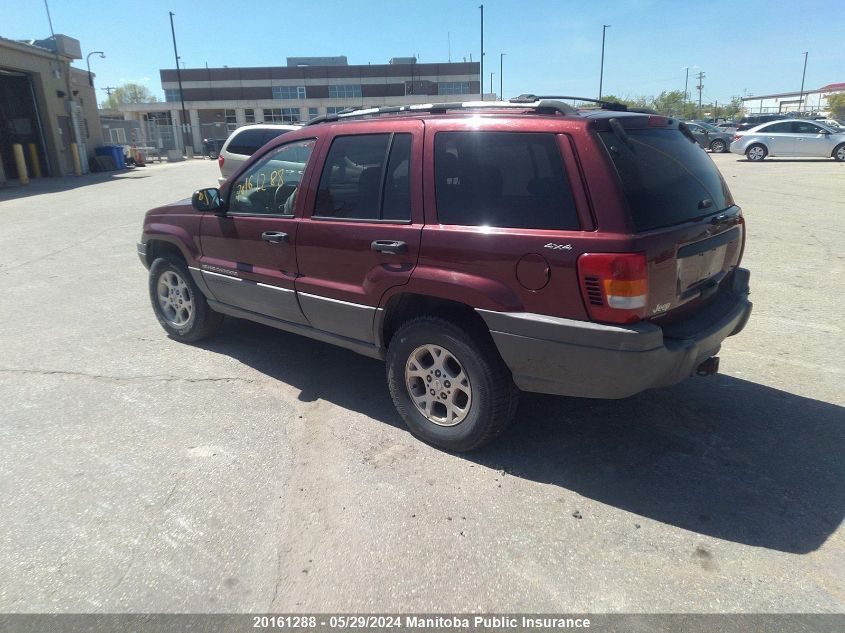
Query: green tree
point(669, 103)
point(836, 105)
point(128, 93)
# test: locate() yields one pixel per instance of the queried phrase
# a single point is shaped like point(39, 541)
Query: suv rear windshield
point(666, 178)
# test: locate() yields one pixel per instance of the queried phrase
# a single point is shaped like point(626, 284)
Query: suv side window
point(355, 184)
point(502, 179)
point(270, 185)
point(246, 142)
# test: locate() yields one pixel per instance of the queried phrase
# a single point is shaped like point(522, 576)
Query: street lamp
point(88, 62)
point(501, 77)
point(804, 74)
point(604, 28)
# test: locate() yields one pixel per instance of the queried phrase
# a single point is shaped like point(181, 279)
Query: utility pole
point(491, 82)
point(481, 73)
point(804, 74)
point(501, 76)
point(186, 126)
point(601, 72)
point(686, 94)
point(700, 87)
point(108, 90)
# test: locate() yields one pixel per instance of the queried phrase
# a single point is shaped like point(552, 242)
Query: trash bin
point(115, 151)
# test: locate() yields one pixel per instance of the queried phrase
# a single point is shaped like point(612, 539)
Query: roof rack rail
point(540, 105)
point(605, 105)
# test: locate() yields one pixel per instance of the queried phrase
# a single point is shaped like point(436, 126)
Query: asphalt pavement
point(261, 471)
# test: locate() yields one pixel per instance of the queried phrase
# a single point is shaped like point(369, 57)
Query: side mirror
point(207, 200)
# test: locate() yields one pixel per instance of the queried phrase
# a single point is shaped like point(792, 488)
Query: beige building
point(46, 102)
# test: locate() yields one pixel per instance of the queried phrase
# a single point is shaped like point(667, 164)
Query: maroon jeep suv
point(480, 249)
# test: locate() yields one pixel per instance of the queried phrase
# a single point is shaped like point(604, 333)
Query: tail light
point(221, 160)
point(614, 286)
point(736, 137)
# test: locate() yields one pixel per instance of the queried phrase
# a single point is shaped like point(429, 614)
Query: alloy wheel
point(174, 298)
point(438, 385)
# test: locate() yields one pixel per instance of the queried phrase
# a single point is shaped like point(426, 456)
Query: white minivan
point(244, 142)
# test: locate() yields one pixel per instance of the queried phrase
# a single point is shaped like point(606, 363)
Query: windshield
point(666, 178)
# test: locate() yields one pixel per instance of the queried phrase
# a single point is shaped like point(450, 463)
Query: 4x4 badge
point(558, 247)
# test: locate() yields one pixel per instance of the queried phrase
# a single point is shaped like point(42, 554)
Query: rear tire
point(718, 146)
point(839, 152)
point(449, 384)
point(178, 303)
point(756, 152)
point(212, 154)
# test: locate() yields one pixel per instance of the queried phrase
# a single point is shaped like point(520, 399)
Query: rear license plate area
point(698, 268)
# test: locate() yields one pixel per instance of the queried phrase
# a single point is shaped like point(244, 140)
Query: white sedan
point(790, 137)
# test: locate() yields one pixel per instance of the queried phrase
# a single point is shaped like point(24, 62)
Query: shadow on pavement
point(38, 186)
point(720, 456)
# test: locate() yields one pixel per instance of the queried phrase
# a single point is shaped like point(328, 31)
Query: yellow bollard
point(36, 164)
point(23, 176)
point(77, 165)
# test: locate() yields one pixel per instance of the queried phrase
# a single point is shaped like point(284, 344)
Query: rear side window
point(502, 179)
point(666, 178)
point(777, 128)
point(366, 177)
point(246, 142)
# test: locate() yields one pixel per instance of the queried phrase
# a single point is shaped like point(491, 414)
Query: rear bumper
point(593, 360)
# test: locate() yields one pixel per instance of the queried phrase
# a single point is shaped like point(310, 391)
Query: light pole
point(501, 76)
point(804, 74)
point(686, 85)
point(601, 72)
point(185, 123)
point(491, 82)
point(481, 73)
point(88, 62)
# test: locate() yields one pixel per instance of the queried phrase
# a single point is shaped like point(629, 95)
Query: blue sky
point(552, 47)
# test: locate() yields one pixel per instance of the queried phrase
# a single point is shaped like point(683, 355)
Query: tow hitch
point(708, 367)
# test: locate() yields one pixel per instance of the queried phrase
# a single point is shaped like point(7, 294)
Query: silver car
point(709, 136)
point(244, 142)
point(790, 137)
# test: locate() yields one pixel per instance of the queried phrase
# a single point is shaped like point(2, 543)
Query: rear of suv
point(479, 249)
point(244, 142)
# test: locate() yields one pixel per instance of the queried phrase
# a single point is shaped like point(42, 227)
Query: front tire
point(839, 153)
point(449, 384)
point(178, 303)
point(756, 152)
point(718, 146)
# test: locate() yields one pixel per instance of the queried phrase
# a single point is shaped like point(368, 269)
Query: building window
point(281, 115)
point(117, 135)
point(231, 120)
point(336, 109)
point(313, 112)
point(288, 92)
point(171, 94)
point(345, 91)
point(249, 113)
point(453, 88)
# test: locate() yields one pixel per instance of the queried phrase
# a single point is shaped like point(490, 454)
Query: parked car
point(795, 137)
point(244, 142)
point(727, 126)
point(709, 136)
point(480, 250)
point(753, 120)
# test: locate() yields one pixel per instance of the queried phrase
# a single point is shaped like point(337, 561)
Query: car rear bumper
point(593, 360)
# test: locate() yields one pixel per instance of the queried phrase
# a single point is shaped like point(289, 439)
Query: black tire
point(839, 152)
point(494, 396)
point(212, 154)
point(755, 156)
point(202, 321)
point(718, 146)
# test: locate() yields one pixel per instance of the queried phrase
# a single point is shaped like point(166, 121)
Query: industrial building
point(218, 100)
point(47, 106)
point(807, 101)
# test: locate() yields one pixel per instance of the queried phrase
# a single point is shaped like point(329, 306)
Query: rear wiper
point(620, 132)
point(684, 128)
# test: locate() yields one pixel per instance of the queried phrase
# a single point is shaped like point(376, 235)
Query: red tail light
point(736, 137)
point(614, 286)
point(221, 160)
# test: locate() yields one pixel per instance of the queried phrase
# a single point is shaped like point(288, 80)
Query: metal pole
point(491, 82)
point(601, 72)
point(501, 76)
point(185, 124)
point(804, 74)
point(686, 93)
point(481, 73)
